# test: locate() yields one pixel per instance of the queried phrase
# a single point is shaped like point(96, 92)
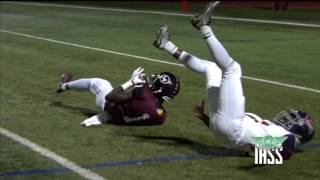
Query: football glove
point(136, 79)
point(137, 73)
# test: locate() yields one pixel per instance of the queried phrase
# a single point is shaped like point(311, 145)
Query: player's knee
point(213, 75)
point(237, 68)
point(234, 69)
point(96, 81)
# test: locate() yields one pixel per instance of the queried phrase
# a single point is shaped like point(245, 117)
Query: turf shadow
point(251, 166)
point(87, 112)
point(203, 149)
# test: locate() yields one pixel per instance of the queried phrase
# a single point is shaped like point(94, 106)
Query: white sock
point(206, 31)
point(170, 47)
point(64, 86)
point(192, 62)
point(220, 55)
point(80, 84)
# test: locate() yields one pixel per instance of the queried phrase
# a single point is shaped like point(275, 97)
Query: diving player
point(227, 117)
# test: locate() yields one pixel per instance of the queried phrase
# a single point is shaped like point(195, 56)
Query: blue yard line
point(154, 160)
point(305, 146)
point(193, 156)
point(36, 171)
point(145, 161)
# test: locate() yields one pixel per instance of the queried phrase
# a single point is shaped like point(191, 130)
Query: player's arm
point(290, 145)
point(199, 113)
point(118, 95)
point(133, 87)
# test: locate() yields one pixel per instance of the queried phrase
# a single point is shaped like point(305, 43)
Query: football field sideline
point(151, 59)
point(169, 14)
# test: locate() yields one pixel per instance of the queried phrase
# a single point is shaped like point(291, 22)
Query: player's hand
point(138, 82)
point(137, 77)
point(198, 110)
point(137, 73)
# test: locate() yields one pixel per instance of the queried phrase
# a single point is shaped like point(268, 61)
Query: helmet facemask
point(164, 85)
point(297, 122)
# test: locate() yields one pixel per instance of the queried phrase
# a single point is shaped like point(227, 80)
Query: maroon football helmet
point(164, 85)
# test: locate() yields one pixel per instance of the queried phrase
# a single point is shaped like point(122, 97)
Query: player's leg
point(98, 119)
point(192, 62)
point(217, 50)
point(230, 105)
point(99, 87)
point(213, 83)
point(66, 77)
point(66, 83)
point(80, 84)
point(231, 87)
point(210, 69)
point(201, 23)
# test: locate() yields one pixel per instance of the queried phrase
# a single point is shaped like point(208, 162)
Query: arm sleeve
point(288, 146)
point(138, 92)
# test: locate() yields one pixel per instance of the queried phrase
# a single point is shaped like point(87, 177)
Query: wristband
point(127, 85)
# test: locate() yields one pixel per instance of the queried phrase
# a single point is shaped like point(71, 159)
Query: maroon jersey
point(142, 110)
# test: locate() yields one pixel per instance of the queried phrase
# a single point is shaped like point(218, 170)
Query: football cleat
point(162, 38)
point(92, 121)
point(66, 77)
point(205, 18)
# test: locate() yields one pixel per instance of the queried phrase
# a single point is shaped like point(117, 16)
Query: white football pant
point(100, 88)
point(225, 95)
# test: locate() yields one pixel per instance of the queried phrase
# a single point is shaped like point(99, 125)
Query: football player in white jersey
point(227, 117)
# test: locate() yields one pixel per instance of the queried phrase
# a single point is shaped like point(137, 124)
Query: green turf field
point(31, 68)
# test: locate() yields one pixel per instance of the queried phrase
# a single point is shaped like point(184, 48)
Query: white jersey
point(240, 132)
point(255, 126)
point(226, 99)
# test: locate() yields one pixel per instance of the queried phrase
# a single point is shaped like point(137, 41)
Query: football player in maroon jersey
point(139, 101)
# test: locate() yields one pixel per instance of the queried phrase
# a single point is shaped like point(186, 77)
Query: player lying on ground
point(227, 117)
point(136, 102)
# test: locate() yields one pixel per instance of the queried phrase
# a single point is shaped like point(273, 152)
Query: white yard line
point(91, 48)
point(166, 13)
point(282, 84)
point(154, 60)
point(85, 173)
